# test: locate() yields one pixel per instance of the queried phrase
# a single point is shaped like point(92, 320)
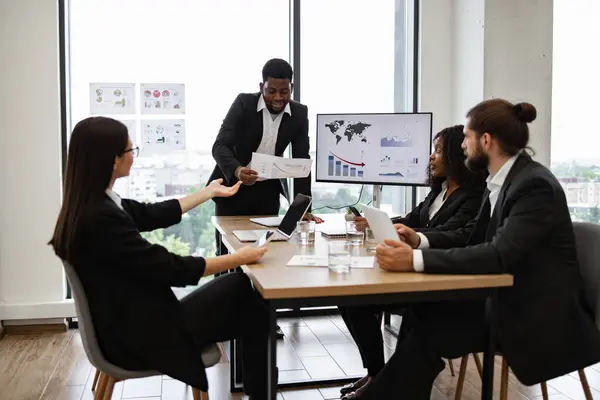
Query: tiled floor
point(54, 367)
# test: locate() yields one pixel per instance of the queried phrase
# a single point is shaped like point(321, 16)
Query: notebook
point(333, 234)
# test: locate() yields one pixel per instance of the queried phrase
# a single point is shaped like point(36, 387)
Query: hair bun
point(525, 112)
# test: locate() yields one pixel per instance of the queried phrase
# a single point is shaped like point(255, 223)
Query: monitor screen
point(378, 149)
point(294, 214)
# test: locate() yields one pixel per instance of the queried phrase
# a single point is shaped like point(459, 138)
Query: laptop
point(286, 228)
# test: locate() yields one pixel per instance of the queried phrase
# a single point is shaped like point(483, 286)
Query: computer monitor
point(381, 149)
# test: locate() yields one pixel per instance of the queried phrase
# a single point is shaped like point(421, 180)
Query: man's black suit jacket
point(459, 208)
point(138, 320)
point(545, 325)
point(241, 134)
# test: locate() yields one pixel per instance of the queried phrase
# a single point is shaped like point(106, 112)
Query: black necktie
point(483, 219)
point(493, 223)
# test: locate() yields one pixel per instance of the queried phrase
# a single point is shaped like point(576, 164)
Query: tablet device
point(381, 224)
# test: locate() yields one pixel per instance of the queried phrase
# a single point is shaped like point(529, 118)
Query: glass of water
point(355, 234)
point(305, 231)
point(370, 241)
point(339, 256)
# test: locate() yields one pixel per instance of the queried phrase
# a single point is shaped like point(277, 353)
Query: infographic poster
point(112, 98)
point(160, 136)
point(162, 98)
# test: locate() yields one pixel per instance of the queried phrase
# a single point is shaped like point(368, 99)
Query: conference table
point(282, 286)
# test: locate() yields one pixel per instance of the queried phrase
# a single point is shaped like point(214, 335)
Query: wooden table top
point(275, 280)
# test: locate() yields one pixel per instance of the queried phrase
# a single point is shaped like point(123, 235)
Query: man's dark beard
point(273, 111)
point(478, 162)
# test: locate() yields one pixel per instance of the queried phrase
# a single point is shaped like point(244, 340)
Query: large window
point(215, 48)
point(353, 58)
point(575, 87)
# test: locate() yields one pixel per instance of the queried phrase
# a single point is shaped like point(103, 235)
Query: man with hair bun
point(545, 326)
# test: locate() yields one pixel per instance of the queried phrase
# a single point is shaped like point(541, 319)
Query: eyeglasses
point(135, 150)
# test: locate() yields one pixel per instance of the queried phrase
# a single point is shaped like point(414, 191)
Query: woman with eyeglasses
point(139, 322)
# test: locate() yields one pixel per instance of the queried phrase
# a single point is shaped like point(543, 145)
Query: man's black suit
point(545, 327)
point(240, 135)
point(460, 207)
point(139, 322)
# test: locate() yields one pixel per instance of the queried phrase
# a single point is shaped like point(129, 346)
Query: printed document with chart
point(272, 167)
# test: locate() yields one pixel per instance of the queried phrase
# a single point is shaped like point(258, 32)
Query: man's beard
point(272, 111)
point(478, 162)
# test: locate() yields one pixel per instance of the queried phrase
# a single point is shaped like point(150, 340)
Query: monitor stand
point(377, 189)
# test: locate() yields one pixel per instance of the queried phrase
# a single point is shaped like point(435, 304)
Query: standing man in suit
point(545, 326)
point(266, 122)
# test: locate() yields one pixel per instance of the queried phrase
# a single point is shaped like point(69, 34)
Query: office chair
point(107, 374)
point(587, 237)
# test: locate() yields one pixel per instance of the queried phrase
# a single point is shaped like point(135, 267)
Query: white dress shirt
point(114, 197)
point(439, 201)
point(494, 184)
point(271, 123)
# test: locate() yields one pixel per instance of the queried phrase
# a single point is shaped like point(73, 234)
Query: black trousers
point(364, 324)
point(262, 198)
point(226, 308)
point(448, 329)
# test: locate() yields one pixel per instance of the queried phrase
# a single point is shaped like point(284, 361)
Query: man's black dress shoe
point(279, 332)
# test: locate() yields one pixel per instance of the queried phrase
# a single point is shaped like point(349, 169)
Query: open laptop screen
point(294, 214)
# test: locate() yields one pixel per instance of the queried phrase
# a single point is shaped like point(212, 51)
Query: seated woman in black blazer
point(454, 200)
point(139, 322)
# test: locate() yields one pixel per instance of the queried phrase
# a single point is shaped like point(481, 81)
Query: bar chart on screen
point(340, 167)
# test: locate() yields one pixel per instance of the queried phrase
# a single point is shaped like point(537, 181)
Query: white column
point(473, 50)
point(31, 277)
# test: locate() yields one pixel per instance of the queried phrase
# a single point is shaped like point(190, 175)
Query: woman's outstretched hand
point(250, 254)
point(217, 189)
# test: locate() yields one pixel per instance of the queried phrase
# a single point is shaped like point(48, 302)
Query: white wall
point(479, 49)
point(30, 160)
point(435, 63)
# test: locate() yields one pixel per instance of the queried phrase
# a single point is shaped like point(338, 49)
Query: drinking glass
point(354, 233)
point(339, 256)
point(370, 241)
point(305, 231)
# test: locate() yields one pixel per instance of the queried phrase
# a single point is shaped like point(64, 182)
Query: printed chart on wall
point(112, 98)
point(373, 148)
point(161, 136)
point(162, 98)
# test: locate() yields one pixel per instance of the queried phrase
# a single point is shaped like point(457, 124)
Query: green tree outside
point(172, 243)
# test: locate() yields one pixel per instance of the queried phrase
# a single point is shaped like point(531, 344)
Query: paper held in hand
point(271, 167)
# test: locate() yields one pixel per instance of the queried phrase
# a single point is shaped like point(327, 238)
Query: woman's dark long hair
point(94, 144)
point(451, 139)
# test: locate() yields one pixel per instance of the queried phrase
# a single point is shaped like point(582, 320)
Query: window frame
point(406, 96)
